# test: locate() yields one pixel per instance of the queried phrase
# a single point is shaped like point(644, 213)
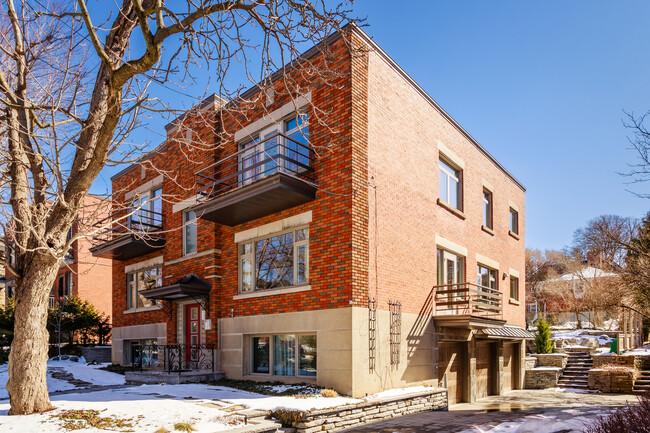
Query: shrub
point(633, 418)
point(543, 343)
point(329, 393)
point(185, 426)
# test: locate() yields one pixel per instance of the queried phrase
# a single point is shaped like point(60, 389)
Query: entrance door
point(453, 272)
point(192, 331)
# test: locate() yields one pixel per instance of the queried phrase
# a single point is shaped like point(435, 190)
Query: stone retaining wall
point(98, 354)
point(542, 377)
point(342, 417)
point(642, 362)
point(531, 362)
point(623, 361)
point(611, 381)
point(551, 359)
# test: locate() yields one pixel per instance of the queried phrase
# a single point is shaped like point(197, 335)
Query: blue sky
point(541, 85)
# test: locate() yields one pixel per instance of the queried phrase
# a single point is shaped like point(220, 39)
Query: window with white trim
point(514, 288)
point(514, 221)
point(189, 232)
point(449, 184)
point(487, 277)
point(146, 211)
point(487, 208)
point(274, 262)
point(284, 355)
point(139, 281)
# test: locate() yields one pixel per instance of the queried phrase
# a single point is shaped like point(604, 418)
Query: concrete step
point(576, 386)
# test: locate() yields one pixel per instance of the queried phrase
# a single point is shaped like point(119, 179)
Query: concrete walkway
point(569, 412)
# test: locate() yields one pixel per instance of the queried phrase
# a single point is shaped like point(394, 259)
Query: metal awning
point(190, 286)
point(508, 333)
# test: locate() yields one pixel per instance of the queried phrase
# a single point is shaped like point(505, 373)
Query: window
point(487, 277)
point(487, 208)
point(146, 211)
point(514, 288)
point(189, 232)
point(284, 355)
point(278, 261)
point(514, 221)
point(65, 284)
point(139, 281)
point(449, 185)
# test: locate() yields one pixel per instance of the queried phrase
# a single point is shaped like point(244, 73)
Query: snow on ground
point(397, 392)
point(88, 373)
point(52, 383)
point(574, 390)
point(545, 423)
point(642, 350)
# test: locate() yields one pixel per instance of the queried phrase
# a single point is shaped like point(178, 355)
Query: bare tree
point(76, 80)
point(604, 241)
point(539, 268)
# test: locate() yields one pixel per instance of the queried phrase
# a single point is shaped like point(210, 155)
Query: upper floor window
point(65, 284)
point(486, 277)
point(514, 221)
point(449, 184)
point(274, 262)
point(139, 281)
point(189, 232)
point(487, 208)
point(281, 147)
point(514, 288)
point(146, 211)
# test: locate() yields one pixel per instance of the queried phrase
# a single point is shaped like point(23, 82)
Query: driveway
point(527, 411)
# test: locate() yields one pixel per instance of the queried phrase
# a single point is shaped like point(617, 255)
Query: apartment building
point(81, 274)
point(382, 249)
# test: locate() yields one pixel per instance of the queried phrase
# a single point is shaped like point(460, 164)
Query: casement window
point(259, 156)
point(514, 288)
point(487, 277)
point(139, 281)
point(451, 268)
point(146, 211)
point(449, 184)
point(274, 262)
point(189, 232)
point(487, 209)
point(514, 221)
point(284, 355)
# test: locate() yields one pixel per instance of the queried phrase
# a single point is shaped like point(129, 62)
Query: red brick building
point(379, 249)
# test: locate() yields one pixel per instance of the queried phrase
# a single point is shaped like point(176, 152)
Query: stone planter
point(542, 377)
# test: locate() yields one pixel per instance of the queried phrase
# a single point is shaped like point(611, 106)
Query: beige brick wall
point(404, 135)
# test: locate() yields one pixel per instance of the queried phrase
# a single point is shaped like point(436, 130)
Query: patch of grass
point(119, 369)
point(162, 430)
point(184, 426)
point(84, 419)
point(267, 388)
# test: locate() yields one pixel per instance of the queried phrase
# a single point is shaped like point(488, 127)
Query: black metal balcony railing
point(173, 358)
point(468, 299)
point(277, 153)
point(142, 222)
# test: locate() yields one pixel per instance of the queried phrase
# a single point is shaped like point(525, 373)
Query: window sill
point(294, 289)
point(142, 309)
point(193, 256)
point(514, 301)
point(513, 234)
point(487, 230)
point(451, 209)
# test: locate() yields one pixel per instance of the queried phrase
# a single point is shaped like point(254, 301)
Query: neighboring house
point(81, 274)
point(394, 258)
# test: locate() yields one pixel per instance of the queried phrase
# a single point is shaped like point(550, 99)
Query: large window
point(189, 232)
point(146, 211)
point(487, 208)
point(278, 261)
point(284, 355)
point(514, 221)
point(487, 277)
point(139, 281)
point(449, 184)
point(514, 288)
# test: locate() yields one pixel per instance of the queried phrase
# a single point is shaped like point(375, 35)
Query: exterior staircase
point(642, 383)
point(576, 372)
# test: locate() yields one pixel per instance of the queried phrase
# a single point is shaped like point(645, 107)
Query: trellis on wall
point(395, 309)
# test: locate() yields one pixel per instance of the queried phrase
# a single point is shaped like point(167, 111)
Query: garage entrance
point(486, 368)
point(450, 364)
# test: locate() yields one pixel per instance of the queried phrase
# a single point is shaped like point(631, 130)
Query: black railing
point(277, 153)
point(173, 358)
point(468, 299)
point(141, 222)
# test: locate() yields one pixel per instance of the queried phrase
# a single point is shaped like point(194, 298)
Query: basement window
point(288, 355)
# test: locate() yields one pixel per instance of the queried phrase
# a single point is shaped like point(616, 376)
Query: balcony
point(267, 176)
point(468, 306)
point(139, 235)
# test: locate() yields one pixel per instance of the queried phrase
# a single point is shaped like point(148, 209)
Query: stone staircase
point(576, 372)
point(642, 383)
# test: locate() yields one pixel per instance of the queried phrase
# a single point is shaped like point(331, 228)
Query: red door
point(192, 331)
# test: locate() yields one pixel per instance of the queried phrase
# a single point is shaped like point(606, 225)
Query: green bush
point(543, 343)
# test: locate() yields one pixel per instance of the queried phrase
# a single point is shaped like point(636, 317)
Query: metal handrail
point(468, 299)
point(147, 221)
point(284, 154)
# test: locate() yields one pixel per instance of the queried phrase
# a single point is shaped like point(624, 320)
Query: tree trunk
point(27, 384)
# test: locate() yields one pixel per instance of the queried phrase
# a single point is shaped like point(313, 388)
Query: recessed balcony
point(468, 306)
point(138, 236)
point(265, 177)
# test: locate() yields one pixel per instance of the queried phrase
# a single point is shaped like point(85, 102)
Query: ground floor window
point(145, 351)
point(284, 355)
